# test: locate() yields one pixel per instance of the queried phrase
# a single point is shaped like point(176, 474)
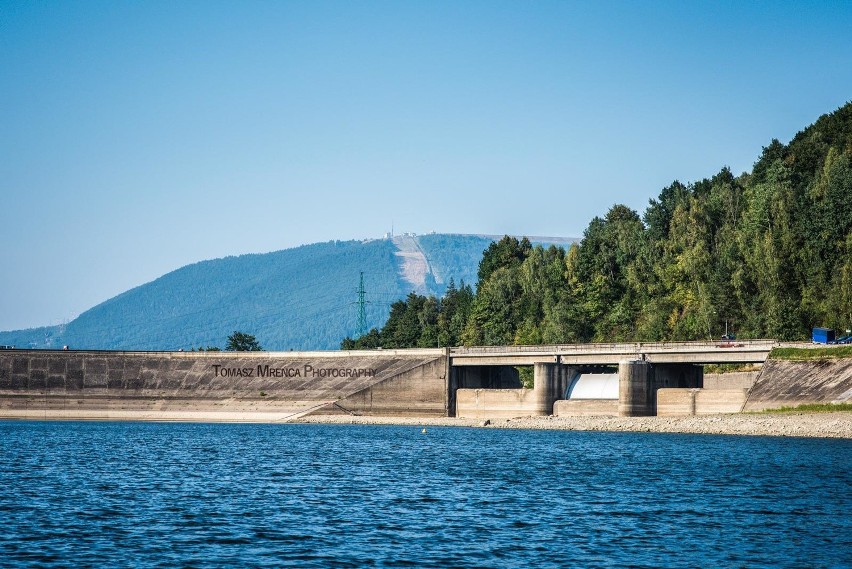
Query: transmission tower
point(362, 313)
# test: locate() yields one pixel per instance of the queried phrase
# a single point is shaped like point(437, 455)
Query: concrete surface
point(673, 402)
point(271, 386)
point(733, 380)
point(72, 384)
point(746, 351)
point(498, 403)
point(586, 408)
point(635, 392)
point(785, 383)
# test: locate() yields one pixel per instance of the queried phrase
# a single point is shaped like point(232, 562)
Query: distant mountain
point(300, 299)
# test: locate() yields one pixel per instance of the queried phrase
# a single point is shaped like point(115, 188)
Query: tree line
point(767, 253)
point(237, 342)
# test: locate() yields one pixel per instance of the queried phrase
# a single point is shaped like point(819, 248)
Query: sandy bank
point(820, 425)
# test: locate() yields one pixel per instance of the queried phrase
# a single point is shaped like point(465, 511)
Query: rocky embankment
point(820, 425)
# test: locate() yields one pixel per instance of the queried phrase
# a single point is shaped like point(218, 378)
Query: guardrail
point(620, 347)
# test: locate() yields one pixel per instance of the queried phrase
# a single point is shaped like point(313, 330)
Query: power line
point(170, 324)
point(362, 313)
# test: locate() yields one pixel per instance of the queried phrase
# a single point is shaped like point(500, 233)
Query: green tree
point(404, 326)
point(240, 342)
point(840, 302)
point(507, 253)
point(369, 341)
point(601, 269)
point(767, 252)
point(494, 316)
point(453, 313)
point(767, 282)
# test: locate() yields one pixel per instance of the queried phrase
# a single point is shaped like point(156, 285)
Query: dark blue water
point(195, 495)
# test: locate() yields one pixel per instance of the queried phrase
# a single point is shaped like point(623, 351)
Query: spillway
point(593, 386)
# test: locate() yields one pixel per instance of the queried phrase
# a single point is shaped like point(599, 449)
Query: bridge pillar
point(549, 385)
point(635, 396)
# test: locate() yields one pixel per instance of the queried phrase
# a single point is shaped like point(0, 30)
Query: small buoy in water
point(423, 431)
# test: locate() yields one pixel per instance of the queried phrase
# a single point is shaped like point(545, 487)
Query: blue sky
point(137, 137)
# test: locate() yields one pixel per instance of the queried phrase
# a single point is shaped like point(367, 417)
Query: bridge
point(483, 377)
point(700, 353)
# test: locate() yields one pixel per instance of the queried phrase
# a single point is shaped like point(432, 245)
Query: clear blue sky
point(137, 137)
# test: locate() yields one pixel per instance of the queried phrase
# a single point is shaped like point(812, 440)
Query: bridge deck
point(745, 351)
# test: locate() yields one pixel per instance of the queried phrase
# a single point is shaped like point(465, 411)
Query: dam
point(221, 386)
point(582, 379)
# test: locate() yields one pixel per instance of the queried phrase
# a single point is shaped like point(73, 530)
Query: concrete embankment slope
point(789, 383)
point(220, 386)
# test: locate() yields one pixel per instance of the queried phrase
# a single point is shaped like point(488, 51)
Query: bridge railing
point(620, 347)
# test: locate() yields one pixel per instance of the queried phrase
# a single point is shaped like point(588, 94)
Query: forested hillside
point(767, 254)
point(301, 298)
point(292, 299)
point(451, 257)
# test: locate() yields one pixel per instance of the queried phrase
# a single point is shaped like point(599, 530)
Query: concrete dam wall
point(784, 383)
point(227, 386)
point(780, 383)
point(281, 386)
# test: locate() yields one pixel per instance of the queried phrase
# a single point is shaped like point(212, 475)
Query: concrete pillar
point(634, 389)
point(548, 386)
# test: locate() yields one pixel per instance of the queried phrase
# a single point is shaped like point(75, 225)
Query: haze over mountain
point(300, 299)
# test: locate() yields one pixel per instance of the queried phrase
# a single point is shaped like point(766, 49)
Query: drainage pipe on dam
point(634, 389)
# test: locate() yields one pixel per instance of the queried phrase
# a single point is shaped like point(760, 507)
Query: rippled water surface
point(199, 495)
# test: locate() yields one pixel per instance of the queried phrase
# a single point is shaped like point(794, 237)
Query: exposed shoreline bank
point(794, 424)
point(831, 424)
point(814, 425)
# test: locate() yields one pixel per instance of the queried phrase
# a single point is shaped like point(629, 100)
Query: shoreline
point(837, 425)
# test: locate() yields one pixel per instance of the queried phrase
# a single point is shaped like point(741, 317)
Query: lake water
point(214, 495)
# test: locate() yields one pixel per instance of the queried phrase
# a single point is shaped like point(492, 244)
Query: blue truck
point(822, 335)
